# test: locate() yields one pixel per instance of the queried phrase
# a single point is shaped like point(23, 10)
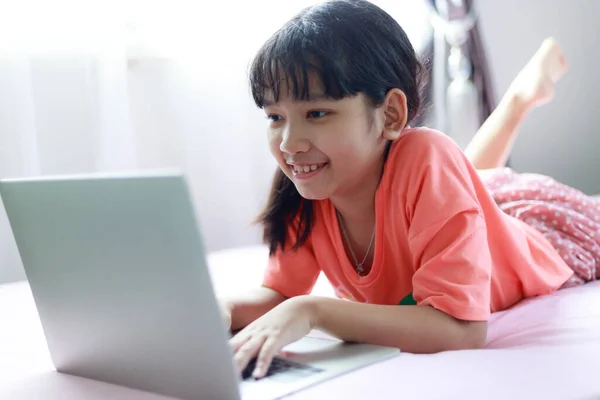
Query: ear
point(395, 110)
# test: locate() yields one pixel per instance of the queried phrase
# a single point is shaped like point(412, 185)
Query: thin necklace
point(358, 265)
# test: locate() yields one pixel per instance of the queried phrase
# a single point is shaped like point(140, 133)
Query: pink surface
point(545, 348)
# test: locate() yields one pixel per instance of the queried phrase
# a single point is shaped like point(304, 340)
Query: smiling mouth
point(306, 170)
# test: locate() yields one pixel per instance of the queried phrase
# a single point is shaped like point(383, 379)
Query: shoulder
point(424, 143)
point(419, 151)
point(426, 169)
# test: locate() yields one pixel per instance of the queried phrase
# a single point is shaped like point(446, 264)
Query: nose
point(294, 140)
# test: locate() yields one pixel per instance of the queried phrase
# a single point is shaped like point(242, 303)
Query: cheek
point(274, 144)
point(274, 141)
point(350, 144)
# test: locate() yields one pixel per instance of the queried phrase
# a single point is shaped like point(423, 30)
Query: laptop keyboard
point(284, 367)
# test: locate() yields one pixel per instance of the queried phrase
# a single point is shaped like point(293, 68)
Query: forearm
point(414, 329)
point(493, 142)
point(250, 306)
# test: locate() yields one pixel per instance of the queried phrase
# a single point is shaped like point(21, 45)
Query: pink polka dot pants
point(568, 218)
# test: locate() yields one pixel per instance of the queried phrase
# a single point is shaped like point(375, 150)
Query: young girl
point(397, 218)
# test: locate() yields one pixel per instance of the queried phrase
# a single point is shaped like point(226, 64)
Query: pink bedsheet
point(543, 348)
point(546, 348)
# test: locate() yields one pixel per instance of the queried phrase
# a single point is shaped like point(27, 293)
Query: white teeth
point(305, 168)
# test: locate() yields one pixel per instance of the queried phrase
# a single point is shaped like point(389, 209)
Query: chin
point(309, 194)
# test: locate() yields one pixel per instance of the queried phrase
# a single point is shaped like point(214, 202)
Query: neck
point(358, 203)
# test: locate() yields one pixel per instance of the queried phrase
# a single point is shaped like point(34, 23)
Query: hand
point(225, 313)
point(266, 336)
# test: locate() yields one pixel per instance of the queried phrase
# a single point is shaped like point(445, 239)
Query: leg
point(569, 219)
point(533, 86)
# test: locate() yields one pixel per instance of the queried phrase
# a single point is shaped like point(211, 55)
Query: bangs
point(287, 65)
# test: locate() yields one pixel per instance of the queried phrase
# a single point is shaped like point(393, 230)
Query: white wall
point(190, 107)
point(561, 139)
point(200, 115)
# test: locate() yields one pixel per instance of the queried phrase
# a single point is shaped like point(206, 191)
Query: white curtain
point(90, 86)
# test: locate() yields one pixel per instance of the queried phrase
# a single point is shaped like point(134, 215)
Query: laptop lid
point(119, 276)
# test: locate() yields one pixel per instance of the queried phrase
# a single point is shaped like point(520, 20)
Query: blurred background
point(97, 86)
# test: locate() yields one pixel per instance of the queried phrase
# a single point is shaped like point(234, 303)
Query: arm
point(250, 306)
point(415, 329)
point(288, 274)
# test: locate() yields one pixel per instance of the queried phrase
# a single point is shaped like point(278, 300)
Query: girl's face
point(327, 147)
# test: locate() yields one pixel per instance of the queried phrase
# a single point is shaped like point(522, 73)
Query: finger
point(227, 320)
point(225, 313)
point(245, 353)
point(267, 352)
point(240, 339)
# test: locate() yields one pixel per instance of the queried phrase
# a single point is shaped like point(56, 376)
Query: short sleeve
point(292, 272)
point(454, 267)
point(448, 235)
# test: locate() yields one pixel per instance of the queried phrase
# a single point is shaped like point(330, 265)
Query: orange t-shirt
point(439, 236)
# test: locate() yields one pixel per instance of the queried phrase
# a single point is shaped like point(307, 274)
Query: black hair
point(352, 46)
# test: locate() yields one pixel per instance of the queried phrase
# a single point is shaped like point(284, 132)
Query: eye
point(274, 117)
point(317, 114)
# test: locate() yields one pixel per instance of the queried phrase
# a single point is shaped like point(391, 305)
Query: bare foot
point(535, 83)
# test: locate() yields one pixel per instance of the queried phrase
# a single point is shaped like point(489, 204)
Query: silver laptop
point(118, 272)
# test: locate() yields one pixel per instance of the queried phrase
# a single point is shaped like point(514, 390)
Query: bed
point(545, 348)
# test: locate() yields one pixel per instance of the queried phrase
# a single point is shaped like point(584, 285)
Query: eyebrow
point(312, 97)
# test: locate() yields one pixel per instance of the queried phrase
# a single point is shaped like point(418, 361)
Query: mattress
point(542, 348)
